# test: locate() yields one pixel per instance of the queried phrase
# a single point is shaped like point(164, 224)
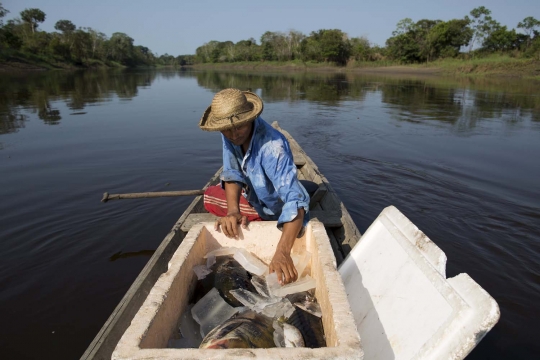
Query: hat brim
point(209, 123)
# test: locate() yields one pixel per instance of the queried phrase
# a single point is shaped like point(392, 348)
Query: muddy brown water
point(459, 157)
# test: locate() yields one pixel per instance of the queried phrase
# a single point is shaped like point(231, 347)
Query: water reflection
point(461, 101)
point(11, 121)
point(328, 89)
point(37, 93)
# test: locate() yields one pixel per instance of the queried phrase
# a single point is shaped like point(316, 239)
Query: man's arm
point(281, 170)
point(231, 181)
point(229, 222)
point(282, 262)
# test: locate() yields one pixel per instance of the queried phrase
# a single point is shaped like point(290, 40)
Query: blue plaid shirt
point(267, 174)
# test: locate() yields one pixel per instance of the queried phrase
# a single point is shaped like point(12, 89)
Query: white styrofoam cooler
point(157, 319)
point(403, 305)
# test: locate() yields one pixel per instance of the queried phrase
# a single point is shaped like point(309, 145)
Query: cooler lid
point(402, 303)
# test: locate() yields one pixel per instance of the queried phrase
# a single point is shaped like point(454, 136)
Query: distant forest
point(475, 35)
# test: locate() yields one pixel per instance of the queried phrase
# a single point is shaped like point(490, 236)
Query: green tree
point(501, 39)
point(310, 49)
point(281, 46)
point(360, 49)
point(216, 51)
point(97, 43)
point(184, 60)
point(33, 17)
point(144, 55)
point(224, 52)
point(446, 38)
point(403, 26)
point(481, 23)
point(11, 35)
point(209, 52)
point(427, 39)
point(268, 46)
point(528, 24)
point(247, 50)
point(378, 52)
point(294, 39)
point(404, 48)
point(65, 26)
point(59, 48)
point(81, 46)
point(411, 41)
point(3, 12)
point(201, 54)
point(534, 50)
point(421, 35)
point(230, 52)
point(38, 43)
point(120, 48)
point(333, 46)
point(67, 38)
point(167, 60)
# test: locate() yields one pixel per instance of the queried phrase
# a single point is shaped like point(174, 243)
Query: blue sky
point(179, 27)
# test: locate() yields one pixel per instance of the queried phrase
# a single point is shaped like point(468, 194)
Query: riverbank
point(495, 65)
point(18, 61)
point(491, 66)
point(292, 66)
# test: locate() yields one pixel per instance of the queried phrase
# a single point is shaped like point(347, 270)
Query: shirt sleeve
point(280, 168)
point(231, 167)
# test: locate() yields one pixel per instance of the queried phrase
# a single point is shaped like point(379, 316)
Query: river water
point(459, 157)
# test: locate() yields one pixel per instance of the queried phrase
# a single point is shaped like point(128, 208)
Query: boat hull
point(325, 206)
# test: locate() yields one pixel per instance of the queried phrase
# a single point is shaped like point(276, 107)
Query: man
point(258, 164)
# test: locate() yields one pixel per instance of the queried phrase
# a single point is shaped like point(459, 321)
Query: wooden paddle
point(107, 196)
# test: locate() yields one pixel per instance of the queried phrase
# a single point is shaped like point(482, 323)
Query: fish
point(230, 275)
point(310, 306)
point(301, 297)
point(292, 336)
point(306, 301)
point(227, 275)
point(246, 330)
point(286, 335)
point(259, 282)
point(310, 326)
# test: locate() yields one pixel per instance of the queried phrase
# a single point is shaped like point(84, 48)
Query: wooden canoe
point(325, 206)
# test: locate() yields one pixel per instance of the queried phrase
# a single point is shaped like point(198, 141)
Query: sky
point(178, 27)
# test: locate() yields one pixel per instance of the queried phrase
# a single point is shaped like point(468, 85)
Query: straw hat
point(230, 108)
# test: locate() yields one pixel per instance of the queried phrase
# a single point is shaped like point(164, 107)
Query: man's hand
point(229, 224)
point(283, 265)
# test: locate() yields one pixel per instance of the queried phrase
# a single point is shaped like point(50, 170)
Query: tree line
point(427, 40)
point(412, 42)
point(75, 45)
point(320, 46)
